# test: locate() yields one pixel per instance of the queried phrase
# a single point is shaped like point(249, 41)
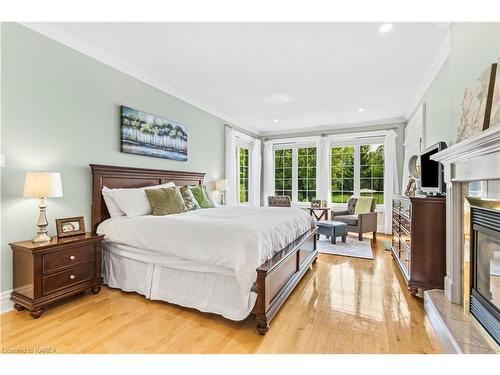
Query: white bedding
point(235, 238)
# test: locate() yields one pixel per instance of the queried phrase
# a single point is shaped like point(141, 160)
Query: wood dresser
point(47, 272)
point(419, 240)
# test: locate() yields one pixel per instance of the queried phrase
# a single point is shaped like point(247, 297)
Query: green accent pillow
point(166, 201)
point(200, 196)
point(189, 199)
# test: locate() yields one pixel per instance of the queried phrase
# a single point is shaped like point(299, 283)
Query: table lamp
point(42, 185)
point(222, 186)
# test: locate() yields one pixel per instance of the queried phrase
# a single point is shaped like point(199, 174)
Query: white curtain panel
point(391, 181)
point(323, 172)
point(268, 165)
point(254, 174)
point(230, 166)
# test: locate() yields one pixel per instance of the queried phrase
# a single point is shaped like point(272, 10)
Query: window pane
point(348, 184)
point(287, 184)
point(243, 175)
point(287, 172)
point(372, 172)
point(306, 172)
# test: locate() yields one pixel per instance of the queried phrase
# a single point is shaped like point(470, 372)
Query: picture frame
point(495, 102)
point(315, 203)
point(477, 105)
point(143, 133)
point(70, 226)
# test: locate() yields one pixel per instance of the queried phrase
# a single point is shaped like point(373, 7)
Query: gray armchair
point(361, 223)
point(279, 201)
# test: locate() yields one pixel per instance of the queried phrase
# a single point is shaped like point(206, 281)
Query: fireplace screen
point(488, 268)
point(485, 280)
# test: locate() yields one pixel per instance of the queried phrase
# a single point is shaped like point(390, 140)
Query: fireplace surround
point(475, 160)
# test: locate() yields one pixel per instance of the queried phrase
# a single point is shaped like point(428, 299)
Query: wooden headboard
point(115, 177)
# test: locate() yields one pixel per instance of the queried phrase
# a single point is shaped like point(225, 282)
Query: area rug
point(351, 248)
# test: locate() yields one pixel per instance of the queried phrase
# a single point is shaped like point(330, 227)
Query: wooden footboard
point(277, 277)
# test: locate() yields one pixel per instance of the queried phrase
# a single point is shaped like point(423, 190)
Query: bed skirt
point(204, 291)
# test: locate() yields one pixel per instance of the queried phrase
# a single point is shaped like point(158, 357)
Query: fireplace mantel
point(476, 158)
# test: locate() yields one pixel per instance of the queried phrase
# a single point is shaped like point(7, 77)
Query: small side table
point(47, 272)
point(323, 213)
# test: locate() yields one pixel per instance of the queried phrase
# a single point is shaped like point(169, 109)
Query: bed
point(229, 261)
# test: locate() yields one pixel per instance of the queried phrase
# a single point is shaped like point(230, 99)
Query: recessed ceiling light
point(276, 120)
point(386, 27)
point(361, 110)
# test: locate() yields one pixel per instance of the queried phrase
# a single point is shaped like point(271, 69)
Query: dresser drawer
point(405, 209)
point(64, 279)
point(68, 258)
point(406, 224)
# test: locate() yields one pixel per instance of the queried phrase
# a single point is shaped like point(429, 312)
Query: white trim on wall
point(438, 61)
point(101, 56)
point(5, 302)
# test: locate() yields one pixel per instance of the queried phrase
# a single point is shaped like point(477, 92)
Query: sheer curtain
point(231, 166)
point(268, 165)
point(254, 174)
point(323, 172)
point(391, 181)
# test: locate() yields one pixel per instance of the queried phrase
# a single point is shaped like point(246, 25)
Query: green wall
point(60, 112)
point(473, 47)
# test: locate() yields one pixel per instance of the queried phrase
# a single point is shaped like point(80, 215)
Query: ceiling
point(276, 77)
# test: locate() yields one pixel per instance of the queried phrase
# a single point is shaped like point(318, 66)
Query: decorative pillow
point(201, 197)
point(209, 196)
point(113, 208)
point(166, 201)
point(134, 202)
point(189, 200)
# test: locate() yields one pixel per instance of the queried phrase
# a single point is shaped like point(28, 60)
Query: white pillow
point(113, 208)
point(134, 202)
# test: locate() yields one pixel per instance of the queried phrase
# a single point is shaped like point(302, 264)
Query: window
point(243, 175)
point(283, 172)
point(306, 183)
point(359, 170)
point(372, 172)
point(342, 164)
point(295, 173)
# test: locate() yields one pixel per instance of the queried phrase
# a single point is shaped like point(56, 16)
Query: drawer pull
point(72, 257)
point(72, 277)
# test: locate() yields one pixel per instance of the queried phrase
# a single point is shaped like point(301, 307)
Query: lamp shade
point(42, 185)
point(221, 185)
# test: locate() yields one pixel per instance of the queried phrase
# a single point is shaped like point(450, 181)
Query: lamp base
point(41, 237)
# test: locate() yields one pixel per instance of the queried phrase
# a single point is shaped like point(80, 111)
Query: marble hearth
point(471, 167)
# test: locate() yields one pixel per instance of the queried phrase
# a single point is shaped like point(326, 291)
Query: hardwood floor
point(343, 305)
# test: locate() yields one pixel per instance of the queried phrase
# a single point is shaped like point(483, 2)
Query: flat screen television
point(431, 172)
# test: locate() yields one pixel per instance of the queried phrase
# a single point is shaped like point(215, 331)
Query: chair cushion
point(348, 219)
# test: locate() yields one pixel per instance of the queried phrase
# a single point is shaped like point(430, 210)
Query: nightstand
point(48, 272)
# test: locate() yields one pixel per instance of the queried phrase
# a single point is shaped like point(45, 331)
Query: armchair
point(360, 223)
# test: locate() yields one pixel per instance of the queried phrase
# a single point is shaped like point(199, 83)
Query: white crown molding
point(485, 143)
point(391, 122)
point(438, 61)
point(101, 56)
point(5, 302)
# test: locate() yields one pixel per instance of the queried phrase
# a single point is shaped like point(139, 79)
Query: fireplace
point(485, 264)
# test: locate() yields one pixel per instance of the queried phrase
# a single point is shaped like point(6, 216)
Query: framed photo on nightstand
point(70, 226)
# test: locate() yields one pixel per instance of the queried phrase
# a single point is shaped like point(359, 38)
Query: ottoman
point(332, 229)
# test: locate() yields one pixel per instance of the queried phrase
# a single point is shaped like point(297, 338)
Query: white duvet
point(237, 238)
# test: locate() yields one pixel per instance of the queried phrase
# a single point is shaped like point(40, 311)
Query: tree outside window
point(342, 165)
point(306, 174)
point(243, 175)
point(283, 172)
point(372, 172)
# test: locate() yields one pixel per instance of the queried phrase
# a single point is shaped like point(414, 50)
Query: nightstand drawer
point(67, 278)
point(68, 258)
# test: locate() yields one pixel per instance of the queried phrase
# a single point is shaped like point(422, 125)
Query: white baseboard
point(5, 303)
